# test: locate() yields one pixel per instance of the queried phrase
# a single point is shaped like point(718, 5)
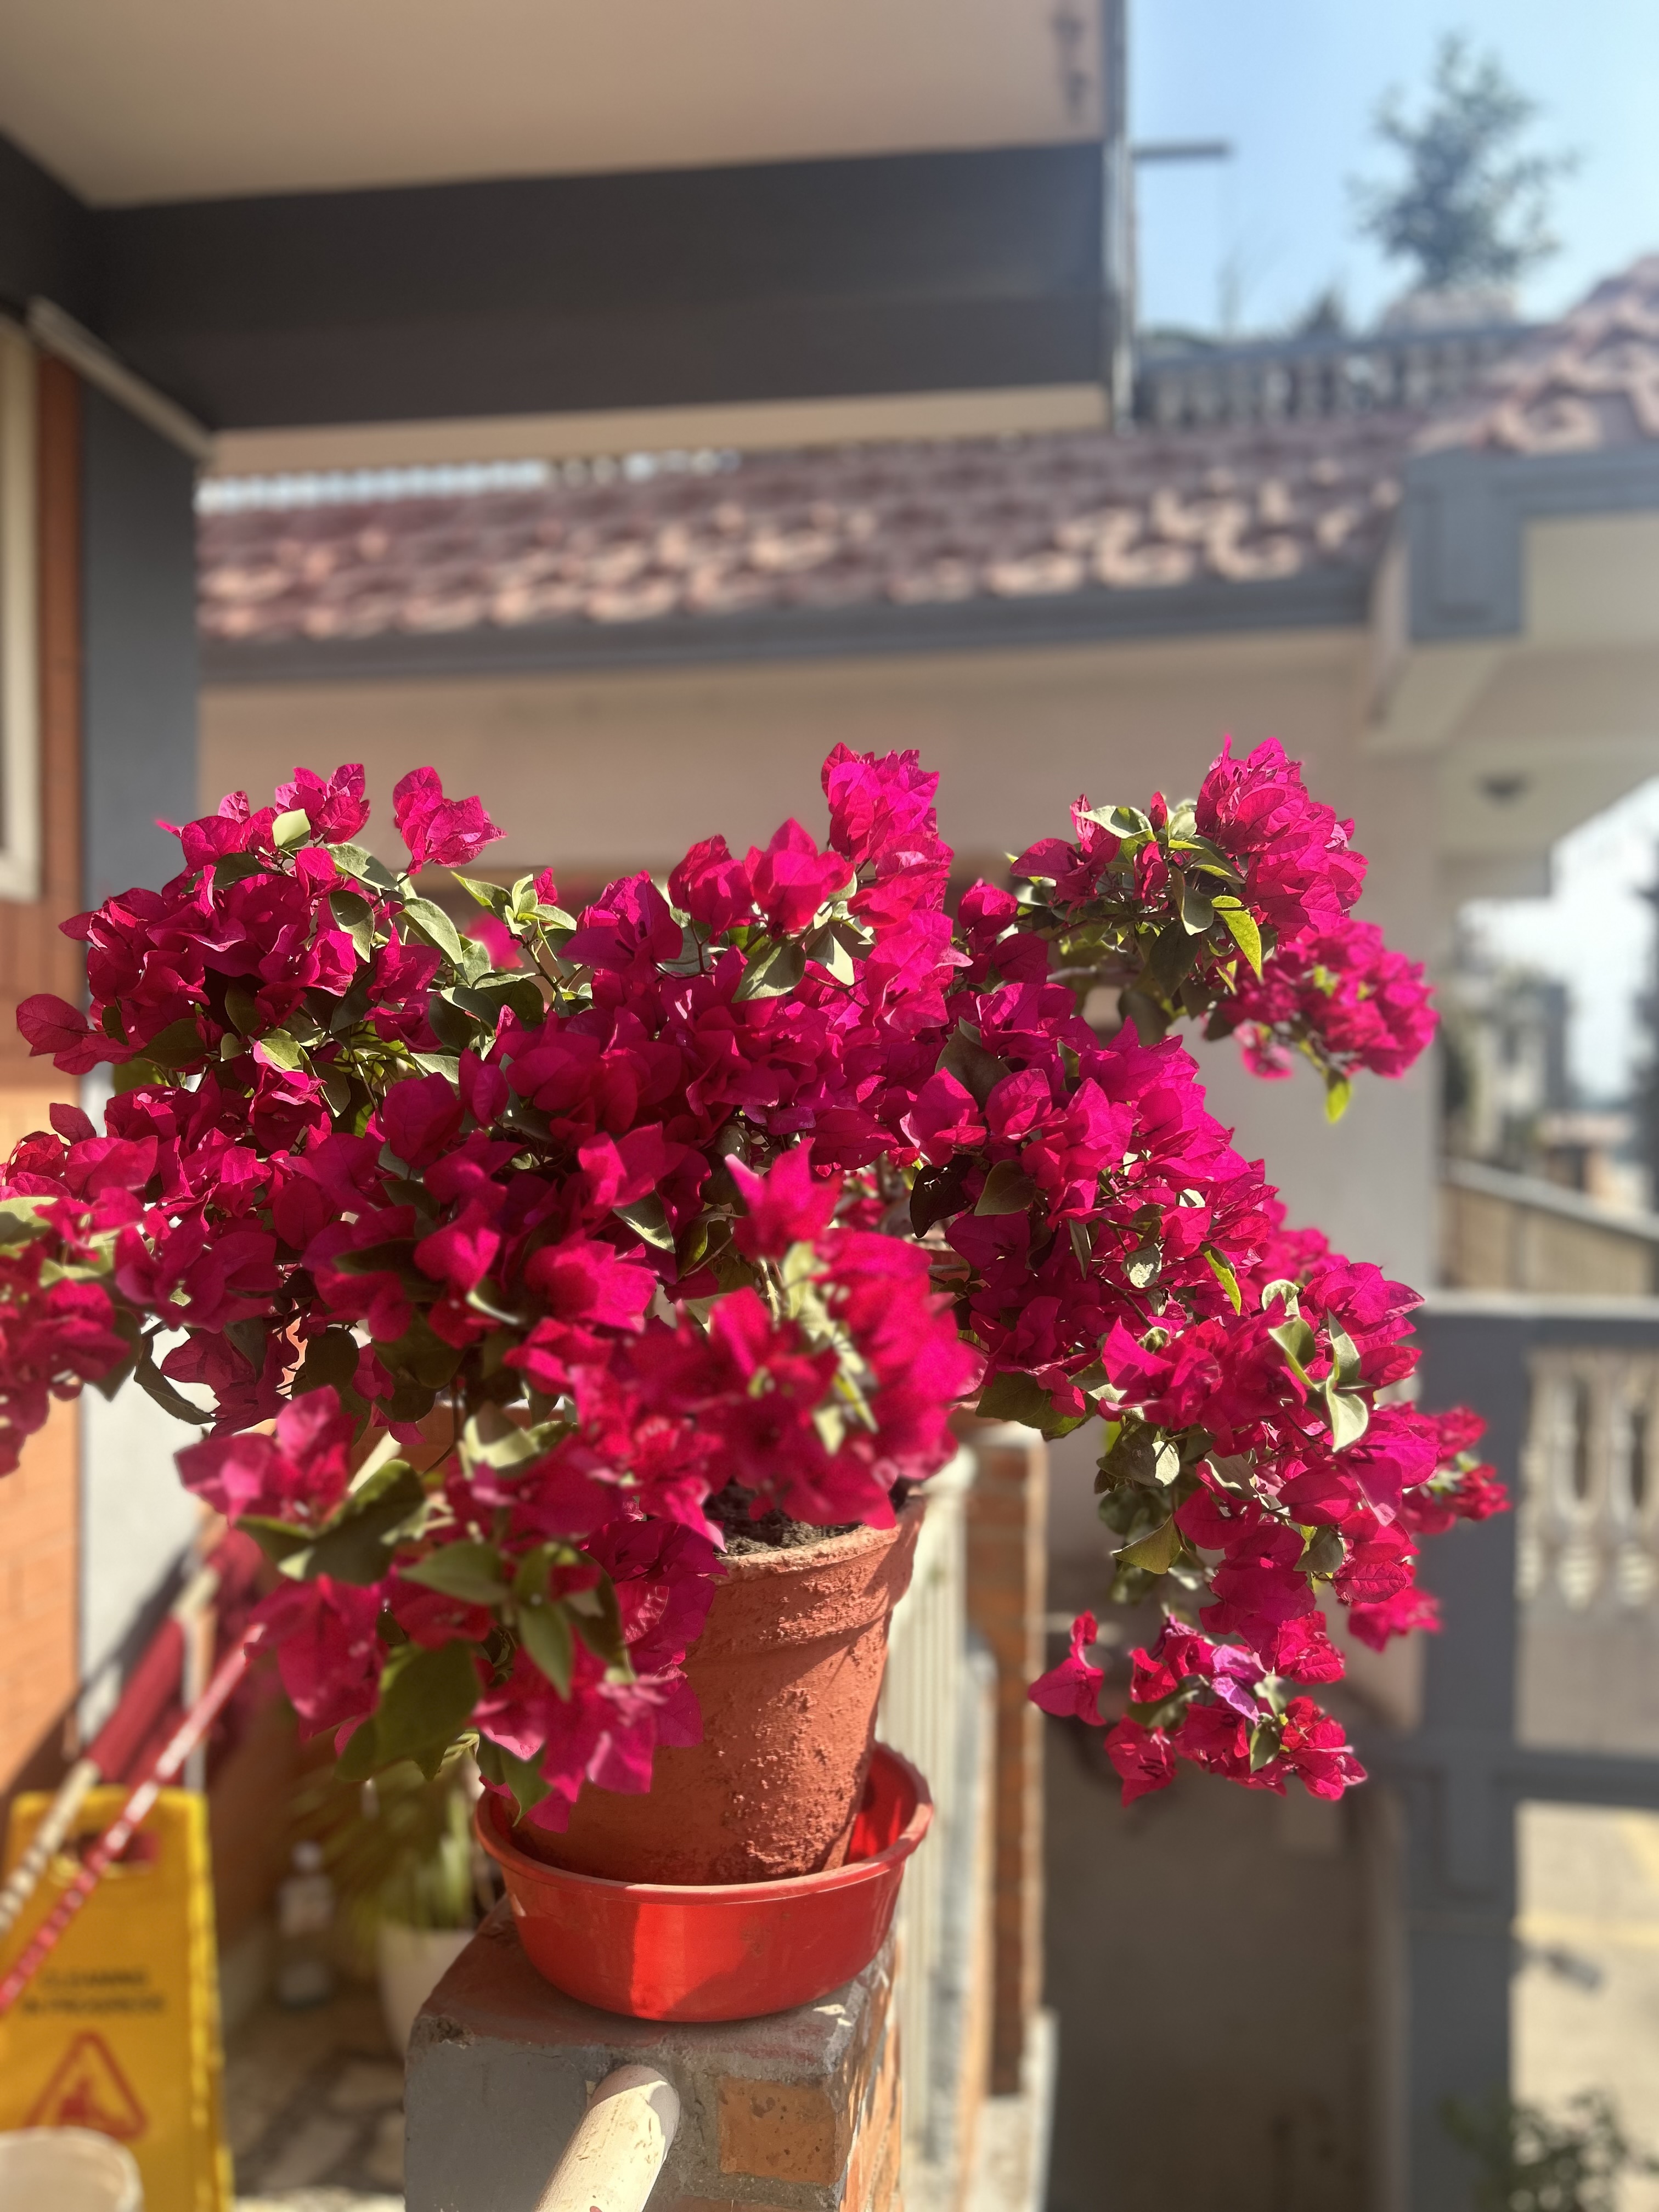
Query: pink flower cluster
point(491, 1260)
point(1240, 900)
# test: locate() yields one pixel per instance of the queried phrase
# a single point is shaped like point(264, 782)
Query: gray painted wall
point(139, 649)
point(138, 761)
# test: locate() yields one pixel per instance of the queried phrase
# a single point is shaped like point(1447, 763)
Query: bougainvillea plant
point(488, 1260)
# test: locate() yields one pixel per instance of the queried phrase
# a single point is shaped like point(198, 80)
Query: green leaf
point(1338, 1091)
point(486, 997)
point(436, 926)
point(1143, 1266)
point(290, 829)
point(597, 1617)
point(1008, 1189)
point(242, 1011)
point(356, 862)
point(1344, 1356)
point(774, 968)
point(647, 1217)
point(825, 945)
point(151, 1381)
point(361, 1757)
point(409, 1401)
point(421, 1354)
point(237, 867)
point(1298, 1343)
point(1350, 1417)
point(389, 1256)
point(535, 1569)
point(357, 1546)
point(490, 1439)
point(508, 1771)
point(978, 1072)
point(1199, 853)
point(1323, 1553)
point(544, 1632)
point(1264, 1745)
point(938, 1194)
point(1194, 905)
point(1172, 955)
point(471, 1572)
point(1164, 1710)
point(426, 1699)
point(20, 1219)
point(1242, 926)
point(276, 1539)
point(178, 1045)
point(452, 1025)
point(1131, 1455)
point(495, 897)
point(354, 915)
point(331, 1359)
point(1224, 1275)
point(281, 1050)
point(1154, 1553)
point(1011, 1396)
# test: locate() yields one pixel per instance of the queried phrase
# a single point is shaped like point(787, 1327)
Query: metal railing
point(1276, 381)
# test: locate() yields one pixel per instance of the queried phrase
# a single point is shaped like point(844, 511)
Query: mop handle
point(116, 1838)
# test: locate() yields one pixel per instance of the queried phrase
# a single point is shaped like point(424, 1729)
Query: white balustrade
point(934, 1709)
point(1588, 1537)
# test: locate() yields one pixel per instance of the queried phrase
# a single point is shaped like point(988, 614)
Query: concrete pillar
point(799, 2112)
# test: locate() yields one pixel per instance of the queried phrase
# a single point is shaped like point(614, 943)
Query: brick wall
point(38, 1560)
point(796, 2112)
point(39, 1504)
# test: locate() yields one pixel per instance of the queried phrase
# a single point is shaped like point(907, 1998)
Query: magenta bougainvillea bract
point(484, 1256)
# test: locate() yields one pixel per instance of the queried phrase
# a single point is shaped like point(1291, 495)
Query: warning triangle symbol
point(87, 2090)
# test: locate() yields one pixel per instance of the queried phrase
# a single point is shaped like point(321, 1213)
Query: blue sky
point(1293, 84)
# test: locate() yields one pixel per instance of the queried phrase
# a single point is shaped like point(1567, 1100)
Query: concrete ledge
point(797, 2113)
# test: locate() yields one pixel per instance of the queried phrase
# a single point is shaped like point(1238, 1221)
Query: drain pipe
point(611, 2162)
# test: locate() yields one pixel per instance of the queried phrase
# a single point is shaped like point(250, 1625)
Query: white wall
point(137, 1517)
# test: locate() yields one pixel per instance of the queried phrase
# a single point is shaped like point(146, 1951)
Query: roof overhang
point(1517, 631)
point(404, 213)
point(1095, 616)
point(190, 100)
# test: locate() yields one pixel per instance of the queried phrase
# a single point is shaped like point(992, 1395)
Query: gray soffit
point(1466, 514)
point(1093, 616)
point(48, 240)
point(887, 273)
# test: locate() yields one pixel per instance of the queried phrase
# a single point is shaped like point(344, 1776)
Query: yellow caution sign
point(120, 2029)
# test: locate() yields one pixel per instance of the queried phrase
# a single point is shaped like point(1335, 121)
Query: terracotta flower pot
point(730, 1951)
point(788, 1672)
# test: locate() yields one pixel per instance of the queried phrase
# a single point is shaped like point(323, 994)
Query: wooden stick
point(611, 2162)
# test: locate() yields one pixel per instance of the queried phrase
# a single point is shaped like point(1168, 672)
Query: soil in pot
point(788, 1672)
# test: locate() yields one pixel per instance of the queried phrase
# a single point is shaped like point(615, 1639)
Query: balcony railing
point(935, 1708)
point(1541, 1688)
point(1278, 381)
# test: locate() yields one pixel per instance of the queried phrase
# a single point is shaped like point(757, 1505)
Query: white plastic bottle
point(305, 1932)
